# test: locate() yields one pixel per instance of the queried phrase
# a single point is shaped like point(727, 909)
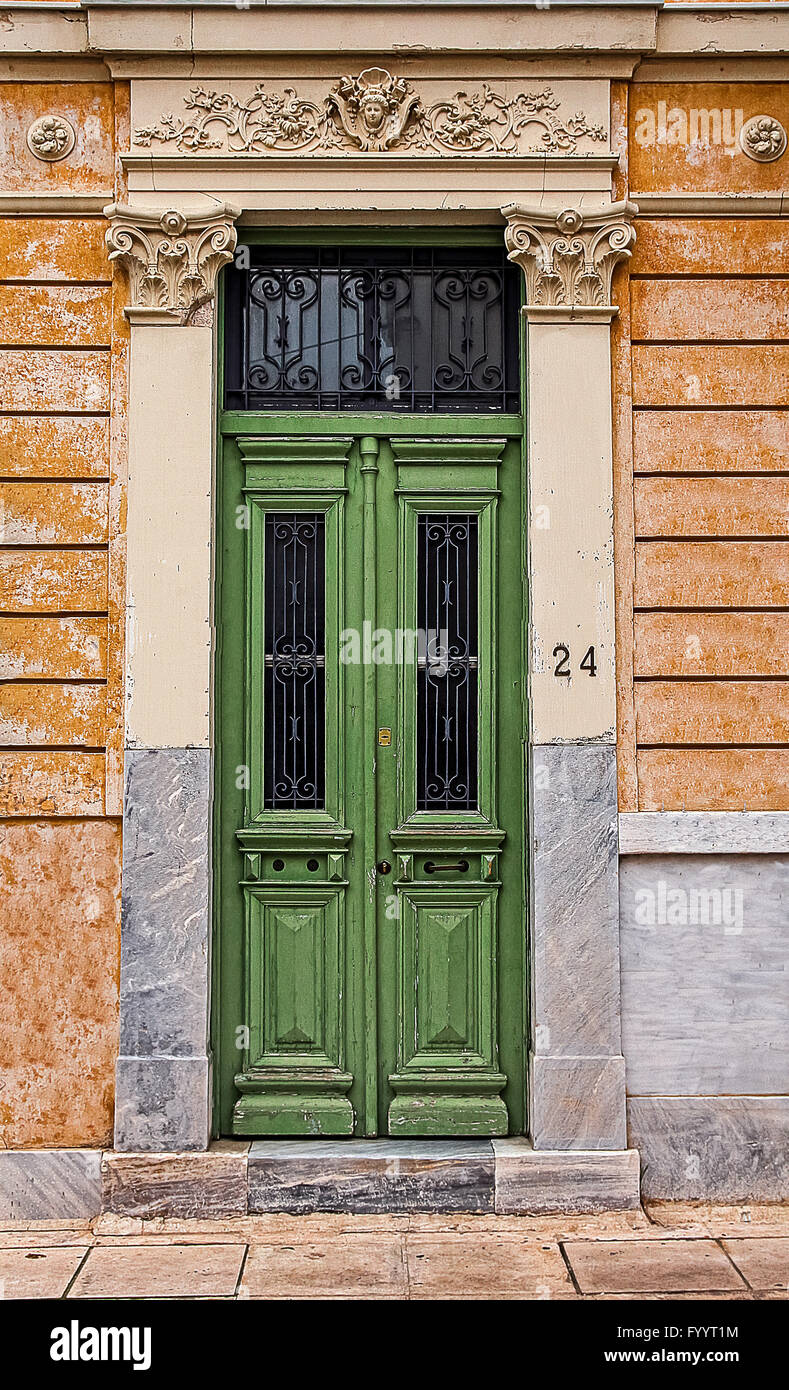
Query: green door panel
point(370, 956)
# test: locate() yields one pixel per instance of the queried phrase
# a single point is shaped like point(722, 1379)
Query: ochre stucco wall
point(62, 396)
point(703, 583)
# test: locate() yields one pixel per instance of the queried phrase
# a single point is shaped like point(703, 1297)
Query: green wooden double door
point(370, 871)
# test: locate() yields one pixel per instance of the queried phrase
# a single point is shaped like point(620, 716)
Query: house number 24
point(561, 655)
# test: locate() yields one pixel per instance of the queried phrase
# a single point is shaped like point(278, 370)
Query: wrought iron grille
point(347, 328)
point(447, 668)
point(294, 656)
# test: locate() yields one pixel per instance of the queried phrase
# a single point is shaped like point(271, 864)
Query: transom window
point(417, 329)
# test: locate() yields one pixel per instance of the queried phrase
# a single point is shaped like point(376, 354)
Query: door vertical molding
point(163, 1075)
point(577, 1071)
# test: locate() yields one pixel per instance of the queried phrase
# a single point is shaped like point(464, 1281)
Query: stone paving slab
point(763, 1262)
point(486, 1266)
point(420, 1256)
point(179, 1271)
point(365, 1266)
point(39, 1272)
point(654, 1266)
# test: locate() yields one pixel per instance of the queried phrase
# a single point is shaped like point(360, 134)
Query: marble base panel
point(49, 1184)
point(162, 1103)
point(528, 1180)
point(712, 1148)
point(578, 1093)
point(163, 1070)
point(183, 1185)
point(578, 1103)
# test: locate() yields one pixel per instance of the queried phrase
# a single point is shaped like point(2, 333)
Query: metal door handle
point(460, 868)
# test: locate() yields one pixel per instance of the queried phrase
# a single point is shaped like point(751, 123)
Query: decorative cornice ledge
point(569, 258)
point(704, 832)
point(172, 259)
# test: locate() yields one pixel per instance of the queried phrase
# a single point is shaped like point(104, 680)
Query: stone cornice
point(568, 259)
point(171, 258)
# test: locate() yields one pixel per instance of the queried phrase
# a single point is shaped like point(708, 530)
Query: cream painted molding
point(172, 258)
point(712, 204)
point(569, 259)
point(34, 204)
point(374, 112)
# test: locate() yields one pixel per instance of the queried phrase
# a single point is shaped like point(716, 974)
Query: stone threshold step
point(504, 1176)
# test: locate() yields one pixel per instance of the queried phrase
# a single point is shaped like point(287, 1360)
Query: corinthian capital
point(568, 258)
point(172, 258)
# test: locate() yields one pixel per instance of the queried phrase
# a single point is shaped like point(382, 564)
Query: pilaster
point(171, 259)
point(577, 1073)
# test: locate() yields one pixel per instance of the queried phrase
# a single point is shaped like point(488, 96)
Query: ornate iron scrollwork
point(419, 329)
point(294, 734)
point(447, 695)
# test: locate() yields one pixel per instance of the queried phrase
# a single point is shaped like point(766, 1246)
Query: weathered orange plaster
point(715, 164)
point(53, 248)
point(53, 648)
point(59, 947)
point(55, 315)
point(39, 446)
point(88, 106)
point(37, 379)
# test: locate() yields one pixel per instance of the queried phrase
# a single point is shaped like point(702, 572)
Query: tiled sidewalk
point(665, 1251)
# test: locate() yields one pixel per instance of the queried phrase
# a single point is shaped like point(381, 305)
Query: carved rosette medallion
point(568, 259)
point(51, 138)
point(373, 113)
point(172, 259)
point(763, 138)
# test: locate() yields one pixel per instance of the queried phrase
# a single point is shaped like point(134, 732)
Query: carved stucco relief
point(373, 112)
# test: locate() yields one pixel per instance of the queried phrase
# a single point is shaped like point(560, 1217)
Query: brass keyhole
point(384, 867)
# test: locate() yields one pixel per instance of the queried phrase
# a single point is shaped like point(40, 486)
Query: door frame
point(229, 636)
point(163, 1075)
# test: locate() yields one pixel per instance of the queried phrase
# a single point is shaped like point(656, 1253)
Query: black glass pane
point(447, 671)
point(351, 328)
point(294, 654)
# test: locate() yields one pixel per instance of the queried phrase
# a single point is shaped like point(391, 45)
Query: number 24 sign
point(561, 654)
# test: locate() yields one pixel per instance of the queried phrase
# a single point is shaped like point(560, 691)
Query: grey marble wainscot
point(705, 986)
point(712, 1148)
point(577, 1069)
point(163, 1071)
point(49, 1184)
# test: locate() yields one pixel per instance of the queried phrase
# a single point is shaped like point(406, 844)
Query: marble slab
point(162, 1074)
point(49, 1184)
point(537, 1183)
point(162, 1103)
point(577, 1092)
point(212, 1184)
point(704, 945)
point(712, 1148)
point(371, 1176)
